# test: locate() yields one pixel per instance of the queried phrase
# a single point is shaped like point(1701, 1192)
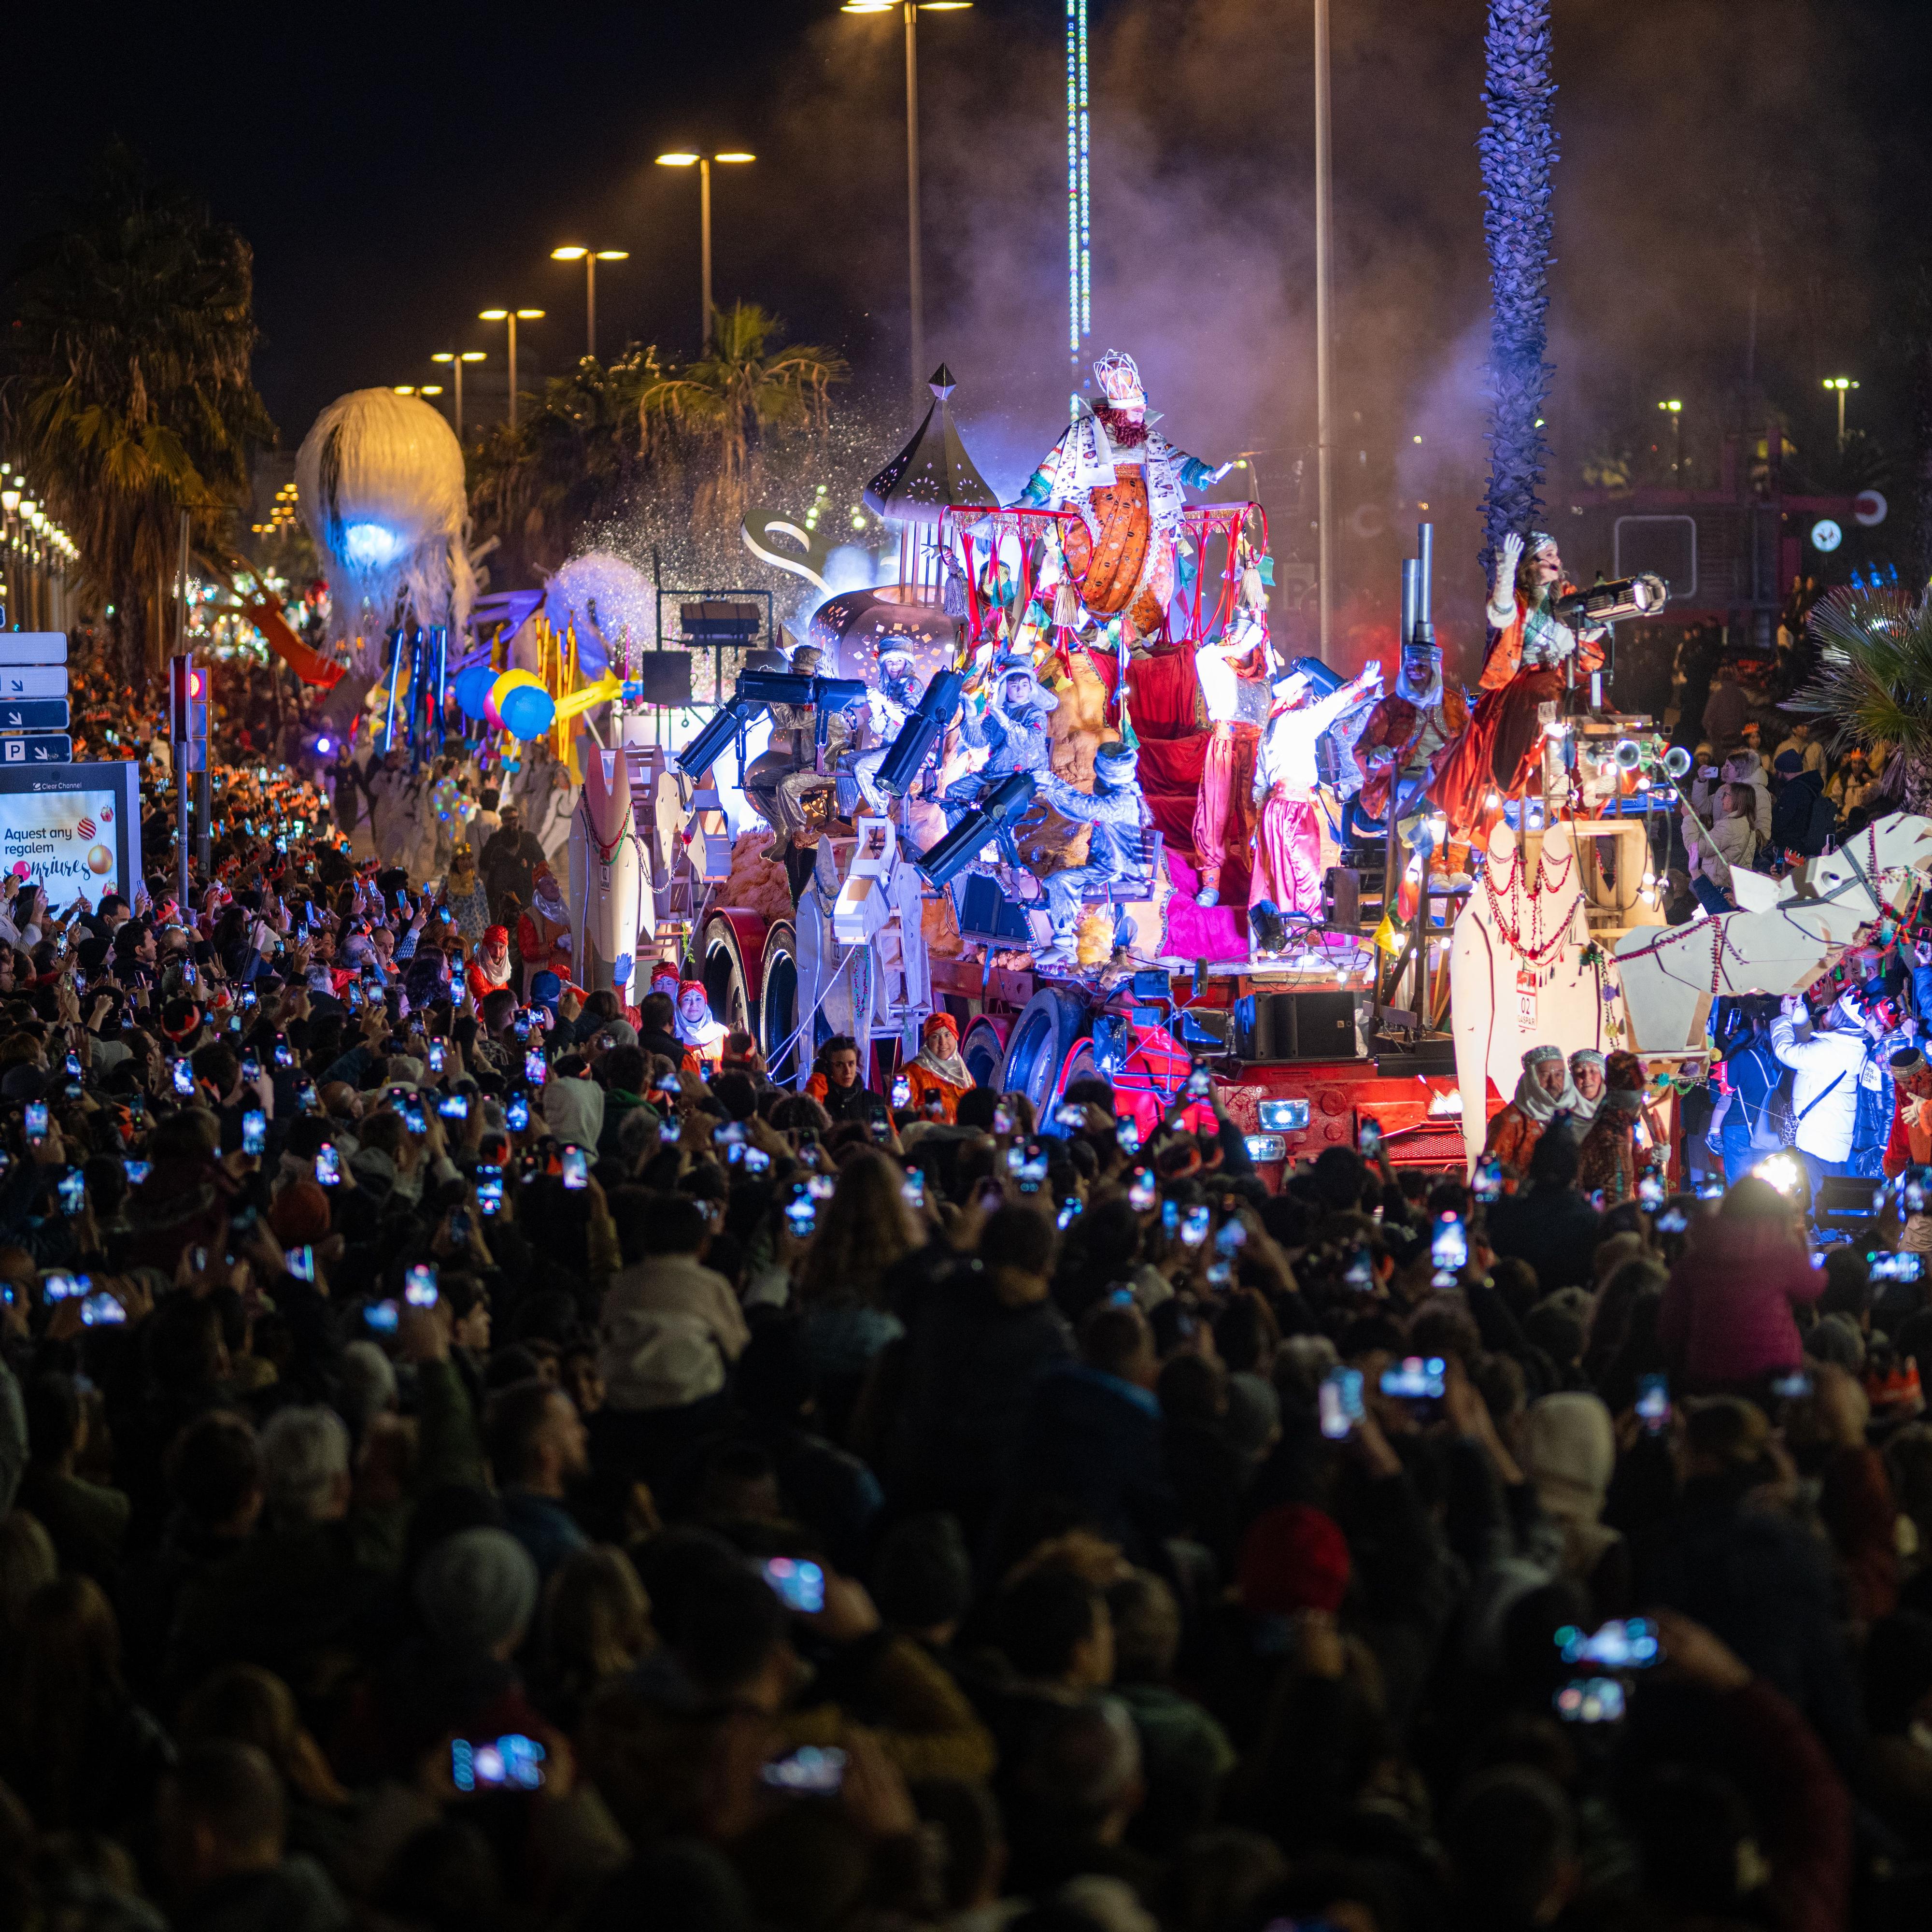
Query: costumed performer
point(1286, 879)
point(696, 1029)
point(1116, 853)
point(1126, 480)
point(1011, 727)
point(900, 689)
point(489, 966)
point(1586, 1075)
point(543, 927)
point(939, 1073)
point(1543, 1091)
point(1610, 1160)
point(1526, 668)
point(1407, 737)
point(1233, 673)
point(778, 781)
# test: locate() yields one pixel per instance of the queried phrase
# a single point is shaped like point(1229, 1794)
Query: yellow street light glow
point(430, 389)
point(734, 157)
point(869, 6)
point(943, 6)
point(568, 254)
point(491, 314)
point(403, 389)
point(443, 355)
point(1839, 382)
point(1673, 406)
point(473, 356)
point(530, 315)
point(677, 161)
point(613, 254)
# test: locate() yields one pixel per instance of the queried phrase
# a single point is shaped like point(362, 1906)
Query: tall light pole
point(456, 358)
point(1674, 409)
point(912, 10)
point(512, 317)
point(589, 257)
point(702, 163)
point(1325, 305)
point(1839, 385)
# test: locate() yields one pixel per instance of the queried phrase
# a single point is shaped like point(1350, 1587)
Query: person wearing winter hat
point(573, 1110)
point(1543, 1091)
point(1293, 1557)
point(1608, 1161)
point(1569, 1454)
point(300, 1216)
point(477, 1591)
point(700, 1033)
point(489, 968)
point(939, 1076)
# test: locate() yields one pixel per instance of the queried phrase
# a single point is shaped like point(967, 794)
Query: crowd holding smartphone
point(542, 1467)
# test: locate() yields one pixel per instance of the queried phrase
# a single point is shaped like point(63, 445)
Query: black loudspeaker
point(1296, 1026)
point(665, 676)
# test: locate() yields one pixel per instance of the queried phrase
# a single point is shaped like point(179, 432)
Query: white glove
point(1506, 567)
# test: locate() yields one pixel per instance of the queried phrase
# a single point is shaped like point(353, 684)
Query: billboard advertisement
point(74, 828)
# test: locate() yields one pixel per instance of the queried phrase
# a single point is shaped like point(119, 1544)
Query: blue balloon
point(528, 712)
point(472, 689)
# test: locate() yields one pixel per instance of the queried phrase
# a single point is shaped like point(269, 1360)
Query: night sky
point(396, 169)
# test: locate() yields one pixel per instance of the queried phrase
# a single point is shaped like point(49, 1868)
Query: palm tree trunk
point(1518, 150)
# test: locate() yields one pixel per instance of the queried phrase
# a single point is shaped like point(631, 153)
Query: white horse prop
point(1516, 976)
point(1789, 933)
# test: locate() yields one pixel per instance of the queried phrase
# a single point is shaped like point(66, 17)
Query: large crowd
point(474, 1453)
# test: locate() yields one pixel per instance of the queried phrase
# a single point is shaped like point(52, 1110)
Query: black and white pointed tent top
point(933, 473)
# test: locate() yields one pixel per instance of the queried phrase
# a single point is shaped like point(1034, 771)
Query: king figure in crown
point(1126, 480)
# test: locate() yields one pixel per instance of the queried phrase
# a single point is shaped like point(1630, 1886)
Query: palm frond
point(1873, 682)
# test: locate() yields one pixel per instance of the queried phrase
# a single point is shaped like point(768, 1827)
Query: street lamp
point(912, 10)
point(456, 362)
point(590, 257)
point(512, 317)
point(1840, 384)
point(702, 163)
point(1674, 410)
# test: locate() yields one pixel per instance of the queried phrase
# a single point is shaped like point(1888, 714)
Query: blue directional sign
point(33, 714)
point(33, 681)
point(44, 748)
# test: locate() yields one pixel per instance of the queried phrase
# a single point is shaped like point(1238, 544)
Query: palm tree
point(128, 390)
point(726, 412)
point(1873, 682)
point(1518, 150)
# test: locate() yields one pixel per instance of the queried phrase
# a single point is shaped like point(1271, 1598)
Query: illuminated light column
point(1079, 219)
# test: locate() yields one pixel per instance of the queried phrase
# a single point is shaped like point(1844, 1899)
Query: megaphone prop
point(1629, 754)
point(1642, 596)
point(1677, 762)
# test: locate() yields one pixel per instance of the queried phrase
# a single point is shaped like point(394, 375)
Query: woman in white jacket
point(1731, 841)
point(1829, 1066)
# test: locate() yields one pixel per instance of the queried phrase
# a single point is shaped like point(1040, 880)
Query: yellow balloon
point(509, 682)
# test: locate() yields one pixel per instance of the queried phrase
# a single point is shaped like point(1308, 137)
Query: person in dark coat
point(1802, 818)
point(1551, 1226)
point(1091, 1440)
point(979, 1339)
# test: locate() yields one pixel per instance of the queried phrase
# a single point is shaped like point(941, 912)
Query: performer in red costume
point(1526, 668)
point(1407, 734)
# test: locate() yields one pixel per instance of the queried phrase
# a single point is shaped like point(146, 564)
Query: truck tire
point(1039, 1041)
